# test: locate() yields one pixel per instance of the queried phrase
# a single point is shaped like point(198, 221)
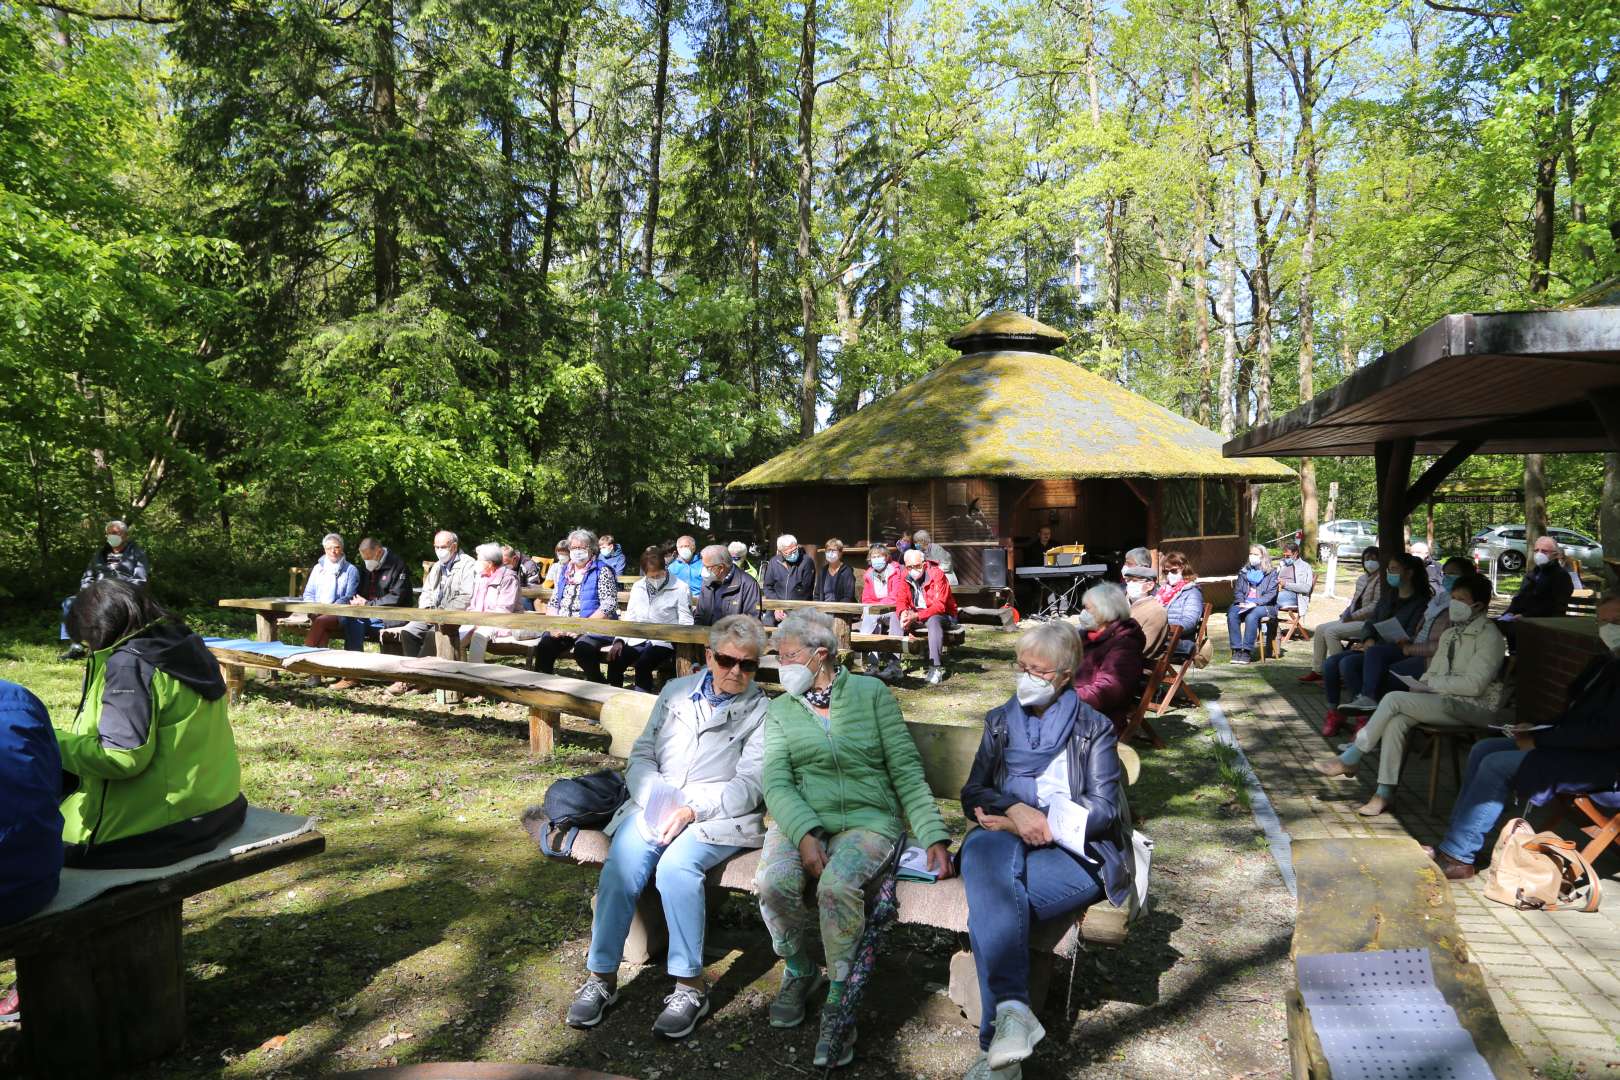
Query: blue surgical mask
point(1288, 560)
point(1393, 579)
point(794, 557)
point(1447, 581)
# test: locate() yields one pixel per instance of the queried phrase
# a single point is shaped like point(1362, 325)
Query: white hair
point(786, 540)
point(811, 628)
point(1107, 603)
point(737, 549)
point(583, 535)
point(454, 539)
point(919, 560)
point(745, 630)
point(921, 537)
point(490, 553)
point(116, 524)
point(332, 538)
point(717, 554)
point(1055, 642)
point(1139, 556)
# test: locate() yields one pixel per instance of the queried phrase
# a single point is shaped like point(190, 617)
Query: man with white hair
point(925, 603)
point(726, 590)
point(447, 587)
point(1421, 550)
point(686, 566)
point(739, 558)
point(1545, 590)
point(789, 576)
point(923, 541)
point(1149, 613)
point(119, 557)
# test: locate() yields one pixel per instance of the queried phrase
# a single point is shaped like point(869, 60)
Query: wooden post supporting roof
point(1399, 496)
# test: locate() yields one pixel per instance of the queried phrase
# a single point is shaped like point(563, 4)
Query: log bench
point(102, 983)
point(1358, 895)
point(947, 752)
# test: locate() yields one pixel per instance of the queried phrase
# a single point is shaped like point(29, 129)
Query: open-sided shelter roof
point(1507, 383)
point(1008, 413)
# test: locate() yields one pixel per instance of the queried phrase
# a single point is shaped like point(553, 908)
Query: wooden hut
point(989, 447)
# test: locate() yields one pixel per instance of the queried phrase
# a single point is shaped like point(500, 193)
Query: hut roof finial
point(1007, 330)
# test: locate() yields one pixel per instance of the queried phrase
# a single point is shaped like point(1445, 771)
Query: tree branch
point(140, 14)
point(1476, 12)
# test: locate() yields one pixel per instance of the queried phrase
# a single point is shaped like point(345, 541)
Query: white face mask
point(1088, 621)
point(833, 557)
point(1254, 560)
point(443, 553)
point(1609, 634)
point(1173, 578)
point(372, 564)
point(335, 559)
point(115, 541)
point(605, 552)
point(1034, 691)
point(707, 574)
point(579, 556)
point(917, 574)
point(879, 562)
point(796, 678)
point(1137, 589)
point(1542, 558)
point(656, 583)
point(684, 552)
point(1461, 612)
point(1372, 565)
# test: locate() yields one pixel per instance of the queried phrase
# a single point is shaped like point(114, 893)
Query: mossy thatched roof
point(1007, 330)
point(1013, 414)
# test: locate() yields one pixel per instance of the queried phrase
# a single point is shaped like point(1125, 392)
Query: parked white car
point(1347, 536)
point(1505, 545)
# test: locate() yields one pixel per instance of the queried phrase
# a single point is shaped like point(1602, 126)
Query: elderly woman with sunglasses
point(1043, 752)
point(840, 768)
point(697, 765)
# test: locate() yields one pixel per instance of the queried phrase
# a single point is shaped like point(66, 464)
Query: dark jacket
point(783, 581)
point(30, 788)
point(1261, 595)
point(1408, 612)
point(836, 586)
point(1591, 716)
point(1095, 779)
point(735, 594)
point(129, 563)
point(1110, 674)
point(1545, 591)
point(387, 586)
point(615, 559)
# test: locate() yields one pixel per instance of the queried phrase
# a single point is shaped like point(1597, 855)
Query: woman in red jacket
point(1110, 674)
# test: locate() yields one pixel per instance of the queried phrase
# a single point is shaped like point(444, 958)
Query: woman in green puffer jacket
point(151, 764)
point(842, 778)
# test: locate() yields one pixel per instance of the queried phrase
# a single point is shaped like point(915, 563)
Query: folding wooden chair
point(1152, 676)
point(1178, 685)
point(1605, 819)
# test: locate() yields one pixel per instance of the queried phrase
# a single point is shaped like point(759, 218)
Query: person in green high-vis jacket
point(842, 781)
point(150, 763)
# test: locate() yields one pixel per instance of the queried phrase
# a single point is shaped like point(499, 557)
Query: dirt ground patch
point(431, 930)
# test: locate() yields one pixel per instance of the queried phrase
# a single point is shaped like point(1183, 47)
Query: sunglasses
point(728, 662)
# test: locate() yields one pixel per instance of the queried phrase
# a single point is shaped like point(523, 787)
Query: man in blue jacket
point(1589, 726)
point(30, 823)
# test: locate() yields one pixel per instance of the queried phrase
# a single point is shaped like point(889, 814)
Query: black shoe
point(73, 652)
point(682, 1011)
point(591, 1002)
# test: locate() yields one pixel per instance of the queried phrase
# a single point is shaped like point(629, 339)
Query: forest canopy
point(382, 266)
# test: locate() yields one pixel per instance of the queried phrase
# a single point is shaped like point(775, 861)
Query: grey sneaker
point(788, 1009)
point(981, 1070)
point(1363, 703)
point(936, 675)
point(591, 1002)
point(682, 1010)
point(824, 1049)
point(73, 652)
point(1017, 1032)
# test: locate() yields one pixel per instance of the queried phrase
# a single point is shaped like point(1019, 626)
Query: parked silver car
point(1347, 536)
point(1505, 545)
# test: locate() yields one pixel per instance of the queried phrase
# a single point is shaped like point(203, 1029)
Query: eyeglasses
point(727, 661)
point(1024, 669)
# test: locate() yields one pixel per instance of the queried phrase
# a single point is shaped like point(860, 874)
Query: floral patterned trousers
point(855, 864)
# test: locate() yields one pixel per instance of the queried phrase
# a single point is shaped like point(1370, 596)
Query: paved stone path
point(1555, 977)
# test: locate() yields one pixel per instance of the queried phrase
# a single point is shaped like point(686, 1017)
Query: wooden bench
point(947, 753)
point(103, 984)
point(1182, 667)
point(1358, 895)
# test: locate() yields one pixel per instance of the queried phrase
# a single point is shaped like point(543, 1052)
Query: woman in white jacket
point(659, 597)
point(696, 768)
point(1460, 688)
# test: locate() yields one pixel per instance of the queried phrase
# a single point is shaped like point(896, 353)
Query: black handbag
point(579, 802)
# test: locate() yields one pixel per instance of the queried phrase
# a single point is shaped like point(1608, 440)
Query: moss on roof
point(1007, 330)
point(1013, 414)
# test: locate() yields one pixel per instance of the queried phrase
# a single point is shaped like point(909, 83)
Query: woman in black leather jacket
point(1043, 752)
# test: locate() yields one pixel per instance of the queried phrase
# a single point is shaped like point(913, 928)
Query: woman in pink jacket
point(495, 588)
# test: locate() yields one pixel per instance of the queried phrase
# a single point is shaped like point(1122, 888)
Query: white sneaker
point(1017, 1032)
point(981, 1070)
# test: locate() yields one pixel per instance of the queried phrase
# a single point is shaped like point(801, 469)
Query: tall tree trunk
point(558, 152)
point(385, 125)
point(810, 383)
point(1535, 499)
point(1306, 94)
point(1542, 218)
point(1228, 312)
point(751, 207)
point(1200, 265)
point(655, 148)
point(1261, 283)
point(506, 318)
point(1572, 169)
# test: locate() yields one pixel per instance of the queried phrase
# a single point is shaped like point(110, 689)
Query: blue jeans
point(678, 870)
point(67, 606)
point(1242, 627)
point(1487, 785)
point(1007, 884)
point(1371, 671)
point(20, 904)
point(354, 632)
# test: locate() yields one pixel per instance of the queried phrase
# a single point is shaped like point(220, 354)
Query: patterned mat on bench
point(260, 828)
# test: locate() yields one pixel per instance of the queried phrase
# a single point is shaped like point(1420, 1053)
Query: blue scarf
point(1255, 575)
point(710, 694)
point(1033, 741)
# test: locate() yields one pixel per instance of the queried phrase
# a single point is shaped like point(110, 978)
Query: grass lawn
point(431, 930)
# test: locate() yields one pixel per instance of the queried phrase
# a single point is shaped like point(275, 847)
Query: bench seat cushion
point(942, 904)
